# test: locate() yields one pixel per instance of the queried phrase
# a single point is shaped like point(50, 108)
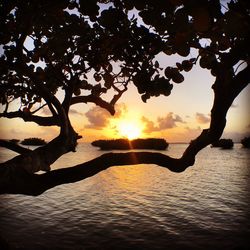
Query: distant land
point(246, 142)
point(223, 143)
point(33, 141)
point(125, 144)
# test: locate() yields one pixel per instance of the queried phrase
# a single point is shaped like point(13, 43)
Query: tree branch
point(15, 179)
point(120, 92)
point(28, 117)
point(94, 99)
point(33, 184)
point(41, 107)
point(14, 147)
point(43, 92)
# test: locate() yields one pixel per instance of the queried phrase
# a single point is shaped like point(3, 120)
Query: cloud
point(98, 118)
point(201, 118)
point(46, 111)
point(167, 122)
point(193, 130)
point(191, 133)
point(182, 135)
point(149, 125)
point(120, 110)
point(74, 112)
point(48, 132)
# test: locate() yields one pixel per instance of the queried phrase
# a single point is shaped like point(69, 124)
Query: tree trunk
point(17, 175)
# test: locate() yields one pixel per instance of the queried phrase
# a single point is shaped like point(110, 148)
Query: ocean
point(137, 207)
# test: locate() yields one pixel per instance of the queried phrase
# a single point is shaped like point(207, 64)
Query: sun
point(129, 129)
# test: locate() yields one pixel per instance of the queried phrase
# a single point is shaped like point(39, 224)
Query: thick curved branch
point(51, 99)
point(94, 99)
point(28, 117)
point(33, 184)
point(14, 147)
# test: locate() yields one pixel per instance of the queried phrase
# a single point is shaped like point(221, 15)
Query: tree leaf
point(201, 19)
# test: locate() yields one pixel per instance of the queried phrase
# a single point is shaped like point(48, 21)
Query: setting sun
point(130, 130)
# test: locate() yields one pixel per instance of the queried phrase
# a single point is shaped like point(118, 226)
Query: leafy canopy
point(89, 48)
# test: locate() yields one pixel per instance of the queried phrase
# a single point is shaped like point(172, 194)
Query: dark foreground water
point(138, 207)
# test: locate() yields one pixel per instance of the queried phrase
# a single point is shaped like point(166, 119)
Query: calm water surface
point(138, 207)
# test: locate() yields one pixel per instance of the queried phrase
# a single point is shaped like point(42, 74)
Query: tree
point(88, 48)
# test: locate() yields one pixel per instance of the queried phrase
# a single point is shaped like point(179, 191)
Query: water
point(137, 207)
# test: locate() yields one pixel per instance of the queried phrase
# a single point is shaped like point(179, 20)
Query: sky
point(179, 117)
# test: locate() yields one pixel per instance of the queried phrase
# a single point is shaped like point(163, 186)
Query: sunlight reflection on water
point(138, 207)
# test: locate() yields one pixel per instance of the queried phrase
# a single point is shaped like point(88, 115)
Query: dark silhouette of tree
point(88, 48)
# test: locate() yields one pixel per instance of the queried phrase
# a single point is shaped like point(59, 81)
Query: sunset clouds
point(99, 119)
point(168, 121)
point(96, 123)
point(201, 118)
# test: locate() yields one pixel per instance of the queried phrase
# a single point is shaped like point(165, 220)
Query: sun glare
point(129, 129)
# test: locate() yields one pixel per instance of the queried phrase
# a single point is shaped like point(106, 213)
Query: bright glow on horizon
point(129, 129)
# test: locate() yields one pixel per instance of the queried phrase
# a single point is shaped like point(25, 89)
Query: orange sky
point(177, 118)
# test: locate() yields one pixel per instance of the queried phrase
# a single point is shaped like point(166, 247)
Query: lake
point(137, 207)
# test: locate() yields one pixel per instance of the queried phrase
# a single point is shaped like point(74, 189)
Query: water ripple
point(138, 207)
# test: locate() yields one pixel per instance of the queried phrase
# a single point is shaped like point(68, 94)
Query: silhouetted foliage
point(246, 142)
point(223, 143)
point(33, 141)
point(91, 51)
point(14, 140)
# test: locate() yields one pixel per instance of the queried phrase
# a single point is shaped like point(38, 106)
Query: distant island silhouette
point(246, 142)
point(125, 144)
point(33, 141)
point(224, 143)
